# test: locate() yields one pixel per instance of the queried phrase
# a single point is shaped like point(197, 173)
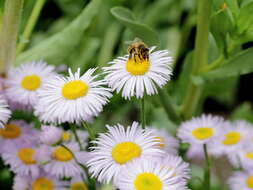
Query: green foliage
point(237, 65)
point(139, 30)
point(58, 47)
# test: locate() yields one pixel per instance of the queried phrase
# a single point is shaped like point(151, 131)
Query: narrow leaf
point(58, 47)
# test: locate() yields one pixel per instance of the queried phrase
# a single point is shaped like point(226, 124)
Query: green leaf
point(221, 25)
point(140, 30)
point(238, 65)
point(245, 19)
point(244, 111)
point(57, 48)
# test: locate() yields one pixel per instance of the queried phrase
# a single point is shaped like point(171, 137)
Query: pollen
point(147, 181)
point(11, 131)
point(43, 184)
point(66, 136)
point(78, 186)
point(62, 154)
point(137, 66)
point(202, 133)
point(31, 82)
point(26, 155)
point(249, 182)
point(125, 151)
point(249, 155)
point(74, 89)
point(232, 138)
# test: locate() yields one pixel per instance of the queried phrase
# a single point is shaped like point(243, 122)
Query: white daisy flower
point(200, 130)
point(42, 182)
point(167, 142)
point(241, 180)
point(72, 99)
point(22, 159)
point(178, 165)
point(16, 132)
point(148, 175)
point(232, 137)
point(243, 158)
point(23, 82)
point(77, 183)
point(119, 146)
point(50, 134)
point(63, 164)
point(136, 75)
point(5, 113)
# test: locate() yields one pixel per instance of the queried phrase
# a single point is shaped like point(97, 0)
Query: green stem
point(194, 91)
point(90, 181)
point(9, 33)
point(30, 25)
point(89, 130)
point(207, 176)
point(168, 106)
point(73, 128)
point(143, 118)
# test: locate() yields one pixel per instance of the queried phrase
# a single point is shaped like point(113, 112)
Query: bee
point(139, 51)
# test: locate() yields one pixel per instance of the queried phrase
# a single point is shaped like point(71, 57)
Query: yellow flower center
point(232, 138)
point(11, 131)
point(74, 89)
point(43, 184)
point(62, 154)
point(249, 155)
point(202, 133)
point(249, 182)
point(147, 181)
point(126, 151)
point(31, 82)
point(26, 155)
point(161, 142)
point(78, 186)
point(66, 136)
point(138, 67)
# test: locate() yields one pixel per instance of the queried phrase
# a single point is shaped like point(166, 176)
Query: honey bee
point(139, 51)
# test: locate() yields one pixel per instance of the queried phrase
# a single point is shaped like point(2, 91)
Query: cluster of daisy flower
point(222, 138)
point(50, 157)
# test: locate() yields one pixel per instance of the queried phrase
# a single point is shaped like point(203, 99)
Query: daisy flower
point(200, 130)
point(77, 183)
point(16, 132)
point(232, 137)
point(50, 134)
point(243, 158)
point(62, 162)
point(178, 165)
point(68, 137)
point(166, 142)
point(23, 82)
point(75, 98)
point(119, 146)
point(148, 175)
point(42, 182)
point(139, 73)
point(22, 159)
point(241, 180)
point(5, 113)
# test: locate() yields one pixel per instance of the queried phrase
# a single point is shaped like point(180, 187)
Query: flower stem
point(206, 182)
point(9, 33)
point(143, 118)
point(73, 128)
point(30, 25)
point(168, 107)
point(89, 130)
point(194, 91)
